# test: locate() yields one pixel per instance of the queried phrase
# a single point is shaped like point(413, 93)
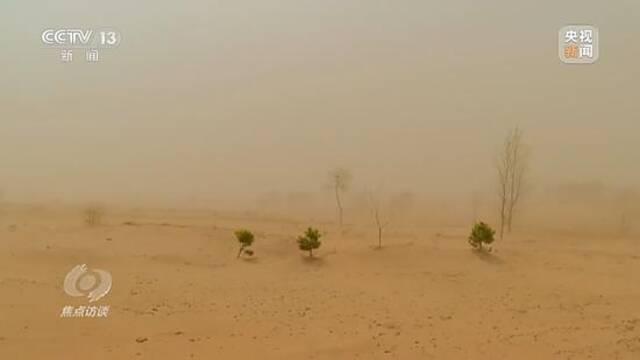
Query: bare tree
point(476, 204)
point(626, 202)
point(512, 169)
point(339, 180)
point(93, 215)
point(381, 222)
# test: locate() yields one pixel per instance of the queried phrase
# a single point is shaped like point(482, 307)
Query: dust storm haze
point(221, 104)
point(192, 165)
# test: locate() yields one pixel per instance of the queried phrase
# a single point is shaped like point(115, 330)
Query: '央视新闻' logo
point(578, 44)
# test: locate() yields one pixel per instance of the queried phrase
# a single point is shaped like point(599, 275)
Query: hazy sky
point(224, 99)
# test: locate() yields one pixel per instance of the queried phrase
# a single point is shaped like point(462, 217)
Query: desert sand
point(179, 292)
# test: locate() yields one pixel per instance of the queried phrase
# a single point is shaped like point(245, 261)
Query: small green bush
point(310, 240)
point(481, 234)
point(245, 238)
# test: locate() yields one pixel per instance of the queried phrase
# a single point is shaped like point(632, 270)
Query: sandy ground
point(179, 293)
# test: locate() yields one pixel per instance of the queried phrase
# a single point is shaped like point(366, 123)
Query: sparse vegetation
point(93, 216)
point(245, 238)
point(512, 169)
point(626, 203)
point(381, 223)
point(339, 180)
point(481, 234)
point(310, 241)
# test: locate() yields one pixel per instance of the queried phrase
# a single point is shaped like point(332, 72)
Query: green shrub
point(481, 234)
point(245, 238)
point(310, 240)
